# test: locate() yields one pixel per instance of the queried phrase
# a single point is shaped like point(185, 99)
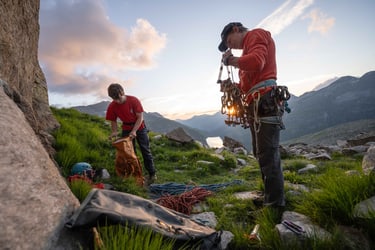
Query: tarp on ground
point(107, 207)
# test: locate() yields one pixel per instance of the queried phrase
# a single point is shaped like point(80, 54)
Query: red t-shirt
point(258, 60)
point(126, 112)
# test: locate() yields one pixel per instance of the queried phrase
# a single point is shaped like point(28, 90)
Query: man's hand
point(132, 135)
point(113, 136)
point(226, 56)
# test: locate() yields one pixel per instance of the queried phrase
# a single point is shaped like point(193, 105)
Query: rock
point(209, 219)
point(241, 162)
point(311, 230)
point(157, 137)
point(240, 150)
point(297, 187)
point(35, 200)
point(365, 209)
point(361, 140)
point(206, 218)
point(205, 162)
point(231, 143)
point(219, 156)
point(360, 149)
point(354, 238)
point(368, 162)
point(19, 66)
point(309, 168)
point(179, 135)
point(226, 238)
point(255, 196)
point(342, 143)
point(322, 156)
point(352, 172)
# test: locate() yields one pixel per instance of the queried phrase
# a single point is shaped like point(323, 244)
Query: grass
point(130, 237)
point(329, 203)
point(335, 197)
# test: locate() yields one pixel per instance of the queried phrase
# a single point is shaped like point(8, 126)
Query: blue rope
point(172, 188)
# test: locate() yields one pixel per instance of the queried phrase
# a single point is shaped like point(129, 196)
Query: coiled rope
point(181, 197)
point(184, 202)
point(173, 188)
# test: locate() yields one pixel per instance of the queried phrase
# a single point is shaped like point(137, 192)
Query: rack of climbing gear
point(232, 103)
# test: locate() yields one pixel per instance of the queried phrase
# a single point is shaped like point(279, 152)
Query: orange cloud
point(82, 51)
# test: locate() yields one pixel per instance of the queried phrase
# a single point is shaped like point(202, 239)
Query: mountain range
point(336, 102)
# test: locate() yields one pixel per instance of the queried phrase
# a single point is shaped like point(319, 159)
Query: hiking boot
point(151, 179)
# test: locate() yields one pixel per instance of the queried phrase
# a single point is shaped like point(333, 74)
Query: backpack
point(127, 163)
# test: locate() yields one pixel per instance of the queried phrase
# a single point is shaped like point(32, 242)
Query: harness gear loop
point(256, 98)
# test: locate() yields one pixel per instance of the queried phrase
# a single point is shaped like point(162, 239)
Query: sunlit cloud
point(285, 15)
point(320, 22)
point(82, 51)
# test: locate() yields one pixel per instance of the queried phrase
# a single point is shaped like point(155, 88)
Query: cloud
point(320, 22)
point(284, 15)
point(82, 51)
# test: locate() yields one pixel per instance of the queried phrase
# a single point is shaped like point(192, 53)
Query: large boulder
point(19, 66)
point(35, 200)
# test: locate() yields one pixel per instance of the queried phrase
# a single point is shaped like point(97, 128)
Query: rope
point(184, 202)
point(173, 188)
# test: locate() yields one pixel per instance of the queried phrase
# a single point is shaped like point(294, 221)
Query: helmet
point(82, 168)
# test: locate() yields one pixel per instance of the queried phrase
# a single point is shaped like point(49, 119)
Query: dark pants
point(265, 142)
point(144, 145)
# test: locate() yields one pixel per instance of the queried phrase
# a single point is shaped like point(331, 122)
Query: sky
point(165, 52)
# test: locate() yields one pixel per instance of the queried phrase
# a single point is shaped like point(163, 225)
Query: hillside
point(154, 121)
point(345, 100)
point(345, 131)
point(235, 181)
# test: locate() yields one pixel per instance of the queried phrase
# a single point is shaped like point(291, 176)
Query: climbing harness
point(235, 104)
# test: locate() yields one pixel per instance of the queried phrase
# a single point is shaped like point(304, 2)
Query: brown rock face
point(35, 200)
point(19, 66)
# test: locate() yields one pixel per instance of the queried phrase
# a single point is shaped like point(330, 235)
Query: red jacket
point(126, 112)
point(258, 60)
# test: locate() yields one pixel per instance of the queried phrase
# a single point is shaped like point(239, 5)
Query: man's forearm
point(114, 127)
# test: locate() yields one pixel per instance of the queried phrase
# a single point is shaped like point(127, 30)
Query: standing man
point(130, 111)
point(257, 81)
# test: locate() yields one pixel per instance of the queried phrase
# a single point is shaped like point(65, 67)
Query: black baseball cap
point(227, 29)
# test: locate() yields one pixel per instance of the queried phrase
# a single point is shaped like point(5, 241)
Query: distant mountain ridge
point(345, 100)
point(154, 121)
point(325, 83)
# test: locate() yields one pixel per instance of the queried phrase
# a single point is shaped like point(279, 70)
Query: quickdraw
point(232, 103)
